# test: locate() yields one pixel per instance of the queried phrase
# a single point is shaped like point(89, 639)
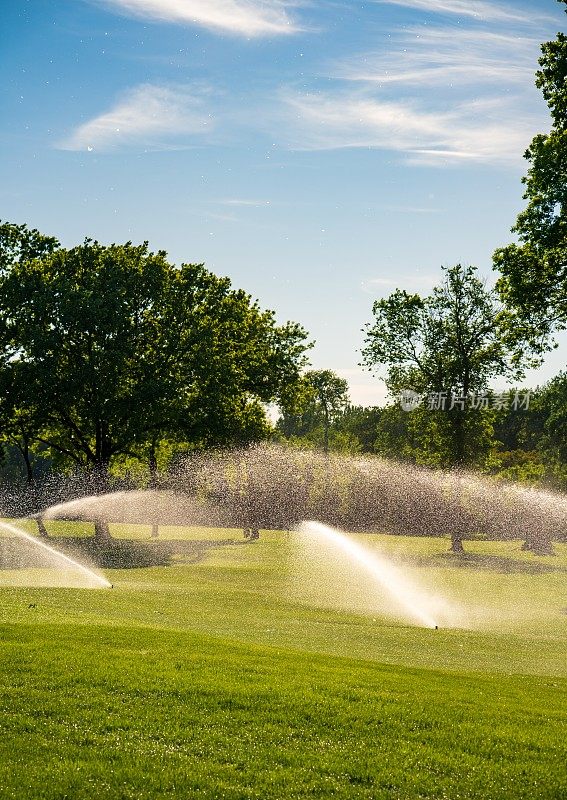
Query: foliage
point(20, 411)
point(119, 350)
point(553, 401)
point(531, 442)
point(425, 437)
point(359, 423)
point(445, 343)
point(520, 466)
point(20, 244)
point(533, 273)
point(323, 399)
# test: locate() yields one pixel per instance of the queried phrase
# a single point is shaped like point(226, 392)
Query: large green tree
point(533, 271)
point(119, 349)
point(447, 346)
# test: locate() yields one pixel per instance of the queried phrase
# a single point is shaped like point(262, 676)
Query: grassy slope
point(208, 680)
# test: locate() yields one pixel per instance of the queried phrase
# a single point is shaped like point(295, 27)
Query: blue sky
point(320, 153)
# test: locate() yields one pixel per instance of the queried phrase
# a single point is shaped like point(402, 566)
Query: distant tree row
point(528, 445)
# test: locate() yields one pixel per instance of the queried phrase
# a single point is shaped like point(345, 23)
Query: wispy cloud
point(411, 283)
point(240, 17)
point(470, 131)
point(241, 201)
point(435, 57)
point(146, 116)
point(478, 9)
point(440, 95)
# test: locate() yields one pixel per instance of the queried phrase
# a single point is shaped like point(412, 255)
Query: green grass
point(216, 679)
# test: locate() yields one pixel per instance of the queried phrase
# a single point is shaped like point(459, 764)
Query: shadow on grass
point(111, 553)
point(485, 562)
point(16, 553)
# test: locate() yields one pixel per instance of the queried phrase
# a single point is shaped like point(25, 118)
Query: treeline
point(268, 486)
point(513, 443)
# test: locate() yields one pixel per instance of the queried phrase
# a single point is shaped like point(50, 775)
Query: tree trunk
point(459, 437)
point(103, 447)
point(101, 530)
point(152, 465)
point(24, 448)
point(539, 547)
point(26, 456)
point(41, 529)
point(457, 543)
point(527, 545)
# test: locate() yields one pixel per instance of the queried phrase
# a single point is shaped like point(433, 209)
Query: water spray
point(58, 559)
point(402, 592)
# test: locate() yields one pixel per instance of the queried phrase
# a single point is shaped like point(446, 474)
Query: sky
point(321, 153)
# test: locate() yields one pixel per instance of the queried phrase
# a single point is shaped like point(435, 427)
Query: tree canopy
point(533, 272)
point(445, 344)
point(108, 349)
point(322, 400)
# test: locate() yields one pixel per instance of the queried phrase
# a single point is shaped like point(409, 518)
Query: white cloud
point(146, 116)
point(493, 132)
point(362, 394)
point(240, 201)
point(478, 9)
point(434, 57)
point(364, 388)
point(411, 283)
point(442, 96)
point(240, 17)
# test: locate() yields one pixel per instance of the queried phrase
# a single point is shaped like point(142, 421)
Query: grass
point(216, 679)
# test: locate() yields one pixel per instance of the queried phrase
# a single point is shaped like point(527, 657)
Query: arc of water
point(407, 596)
point(92, 576)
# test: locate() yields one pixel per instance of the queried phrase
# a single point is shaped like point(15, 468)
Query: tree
point(552, 409)
point(324, 397)
point(420, 437)
point(447, 344)
point(20, 244)
point(121, 348)
point(331, 397)
point(360, 424)
point(20, 421)
point(533, 273)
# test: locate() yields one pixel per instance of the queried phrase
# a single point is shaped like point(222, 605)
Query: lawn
point(217, 677)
